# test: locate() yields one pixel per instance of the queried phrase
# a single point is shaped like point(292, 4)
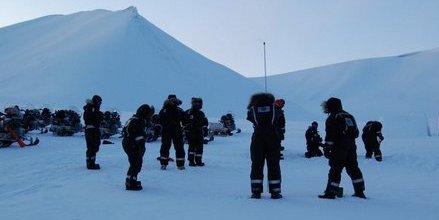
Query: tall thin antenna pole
point(265, 68)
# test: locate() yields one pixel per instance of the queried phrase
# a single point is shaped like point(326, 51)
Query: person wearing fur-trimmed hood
point(265, 144)
point(341, 150)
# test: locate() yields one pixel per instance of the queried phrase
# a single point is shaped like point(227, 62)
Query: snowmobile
point(224, 127)
point(110, 125)
point(66, 123)
point(11, 129)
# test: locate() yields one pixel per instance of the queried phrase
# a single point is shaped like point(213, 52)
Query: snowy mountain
point(61, 60)
point(401, 91)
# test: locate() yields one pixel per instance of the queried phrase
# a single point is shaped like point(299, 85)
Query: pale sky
point(300, 34)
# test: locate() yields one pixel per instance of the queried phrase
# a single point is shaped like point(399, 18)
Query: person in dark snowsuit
point(281, 125)
point(195, 127)
point(133, 143)
point(313, 141)
point(171, 118)
point(372, 138)
point(92, 119)
point(340, 149)
point(265, 144)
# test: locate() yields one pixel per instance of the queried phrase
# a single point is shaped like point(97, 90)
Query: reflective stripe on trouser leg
point(191, 156)
point(180, 161)
point(198, 158)
point(164, 160)
point(256, 185)
point(358, 185)
point(274, 186)
point(332, 187)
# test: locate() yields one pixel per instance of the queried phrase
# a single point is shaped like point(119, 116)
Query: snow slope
point(401, 91)
point(50, 181)
point(60, 60)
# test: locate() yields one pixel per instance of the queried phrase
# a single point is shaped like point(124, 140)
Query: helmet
point(145, 111)
point(314, 124)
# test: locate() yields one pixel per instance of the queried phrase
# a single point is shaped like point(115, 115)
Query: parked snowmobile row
point(15, 123)
point(66, 123)
point(110, 125)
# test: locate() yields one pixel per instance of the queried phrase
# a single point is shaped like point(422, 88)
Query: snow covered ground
point(49, 181)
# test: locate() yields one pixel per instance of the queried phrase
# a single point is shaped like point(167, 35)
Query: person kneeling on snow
point(313, 141)
point(134, 144)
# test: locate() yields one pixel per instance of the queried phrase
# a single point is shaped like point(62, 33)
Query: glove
point(327, 150)
point(380, 138)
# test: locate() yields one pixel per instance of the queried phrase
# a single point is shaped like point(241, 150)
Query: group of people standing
point(174, 122)
point(339, 145)
point(267, 117)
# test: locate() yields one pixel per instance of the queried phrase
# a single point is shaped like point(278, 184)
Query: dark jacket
point(341, 127)
point(196, 121)
point(281, 125)
point(372, 132)
point(265, 114)
point(134, 132)
point(171, 117)
point(92, 116)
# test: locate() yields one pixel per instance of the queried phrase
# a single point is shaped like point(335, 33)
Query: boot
point(181, 168)
point(163, 167)
point(378, 158)
point(198, 160)
point(132, 184)
point(191, 159)
point(327, 195)
point(359, 195)
point(276, 196)
point(91, 165)
point(255, 196)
